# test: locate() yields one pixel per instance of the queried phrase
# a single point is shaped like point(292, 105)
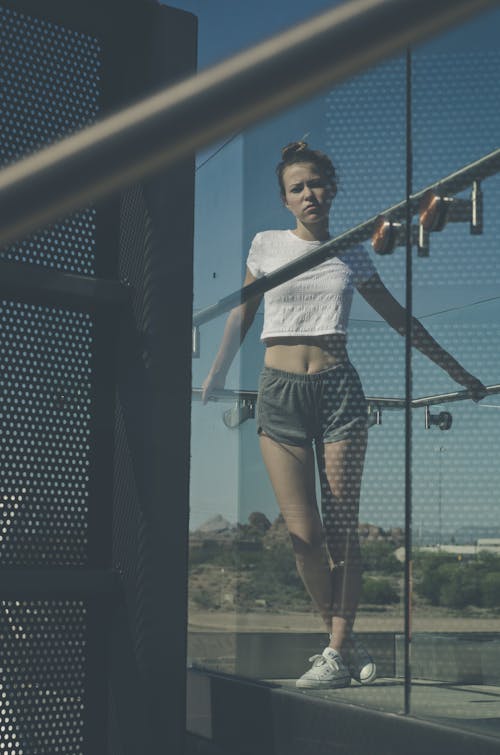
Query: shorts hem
point(284, 441)
point(346, 433)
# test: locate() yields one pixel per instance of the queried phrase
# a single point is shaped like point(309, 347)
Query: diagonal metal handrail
point(451, 184)
point(148, 136)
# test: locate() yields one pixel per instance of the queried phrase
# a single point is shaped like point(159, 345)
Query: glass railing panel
point(249, 611)
point(456, 523)
point(214, 481)
point(369, 155)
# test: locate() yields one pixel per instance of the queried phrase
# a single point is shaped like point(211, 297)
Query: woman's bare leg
point(292, 474)
point(341, 467)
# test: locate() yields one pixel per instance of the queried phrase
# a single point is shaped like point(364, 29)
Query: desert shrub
point(428, 578)
point(459, 585)
point(490, 590)
point(278, 562)
point(202, 598)
point(491, 559)
point(379, 556)
point(211, 552)
point(274, 578)
point(378, 591)
point(446, 581)
point(233, 555)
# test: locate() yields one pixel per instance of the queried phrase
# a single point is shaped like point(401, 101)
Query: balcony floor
point(472, 707)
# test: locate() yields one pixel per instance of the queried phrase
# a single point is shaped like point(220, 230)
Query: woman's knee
point(305, 544)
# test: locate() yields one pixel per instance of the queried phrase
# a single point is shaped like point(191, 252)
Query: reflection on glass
point(456, 527)
point(250, 613)
point(309, 390)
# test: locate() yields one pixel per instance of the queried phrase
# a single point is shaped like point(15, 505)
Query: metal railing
point(385, 402)
point(457, 181)
point(147, 137)
point(244, 405)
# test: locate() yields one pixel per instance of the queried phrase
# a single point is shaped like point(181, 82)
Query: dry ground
point(423, 620)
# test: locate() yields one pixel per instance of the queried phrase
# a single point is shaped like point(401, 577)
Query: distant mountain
point(260, 528)
point(371, 532)
point(216, 525)
point(259, 522)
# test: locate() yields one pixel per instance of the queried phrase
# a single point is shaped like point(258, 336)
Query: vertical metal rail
point(408, 386)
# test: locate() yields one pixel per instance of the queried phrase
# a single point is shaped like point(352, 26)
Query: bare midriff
point(305, 354)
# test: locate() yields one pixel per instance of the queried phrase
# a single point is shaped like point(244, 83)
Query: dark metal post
point(408, 391)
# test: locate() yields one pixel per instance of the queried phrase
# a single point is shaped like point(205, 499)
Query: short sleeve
point(254, 259)
point(361, 265)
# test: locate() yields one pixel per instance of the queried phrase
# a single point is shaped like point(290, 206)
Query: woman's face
point(308, 195)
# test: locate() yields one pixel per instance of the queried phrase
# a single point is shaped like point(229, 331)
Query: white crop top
point(317, 302)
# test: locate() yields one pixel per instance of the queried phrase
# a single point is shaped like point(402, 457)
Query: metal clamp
point(443, 420)
point(388, 234)
point(195, 349)
point(436, 210)
point(374, 415)
point(242, 410)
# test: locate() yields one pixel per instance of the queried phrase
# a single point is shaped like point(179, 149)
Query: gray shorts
point(325, 406)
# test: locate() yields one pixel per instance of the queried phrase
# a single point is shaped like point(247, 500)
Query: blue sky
point(456, 119)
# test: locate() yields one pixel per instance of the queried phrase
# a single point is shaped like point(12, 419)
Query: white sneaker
point(359, 661)
point(328, 670)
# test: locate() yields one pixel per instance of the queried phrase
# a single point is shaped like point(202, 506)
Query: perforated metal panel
point(50, 85)
point(56, 401)
point(42, 676)
point(50, 80)
point(45, 435)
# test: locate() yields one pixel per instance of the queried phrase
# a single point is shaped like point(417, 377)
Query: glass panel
point(250, 614)
point(456, 532)
point(215, 448)
point(249, 611)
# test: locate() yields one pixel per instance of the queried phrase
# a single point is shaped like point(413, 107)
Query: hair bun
point(292, 148)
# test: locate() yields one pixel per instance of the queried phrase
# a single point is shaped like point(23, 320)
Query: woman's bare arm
point(237, 325)
point(384, 303)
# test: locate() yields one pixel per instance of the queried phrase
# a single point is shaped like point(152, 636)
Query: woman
point(309, 391)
